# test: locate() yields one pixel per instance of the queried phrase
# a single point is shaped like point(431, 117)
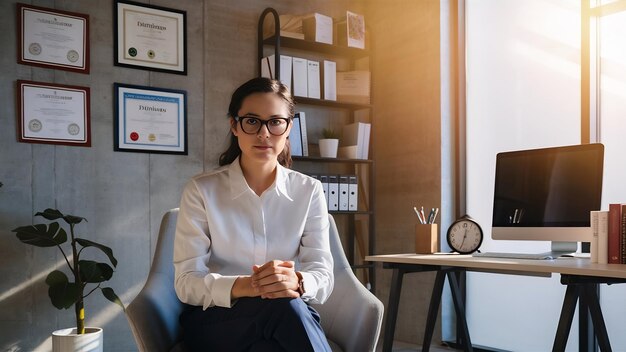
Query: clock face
point(465, 236)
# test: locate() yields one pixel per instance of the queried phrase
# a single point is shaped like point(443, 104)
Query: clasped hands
point(274, 279)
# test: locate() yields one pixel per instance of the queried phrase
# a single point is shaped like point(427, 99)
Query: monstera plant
point(62, 291)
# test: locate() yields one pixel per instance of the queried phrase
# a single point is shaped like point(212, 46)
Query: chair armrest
point(349, 303)
point(153, 315)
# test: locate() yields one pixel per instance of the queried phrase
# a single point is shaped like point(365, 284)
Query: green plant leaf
point(94, 272)
point(50, 214)
point(42, 235)
point(108, 251)
point(63, 294)
point(53, 214)
point(72, 219)
point(111, 296)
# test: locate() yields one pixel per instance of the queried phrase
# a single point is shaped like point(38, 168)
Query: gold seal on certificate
point(34, 125)
point(34, 48)
point(150, 37)
point(150, 119)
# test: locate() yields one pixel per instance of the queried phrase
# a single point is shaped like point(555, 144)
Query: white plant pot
point(328, 148)
point(67, 340)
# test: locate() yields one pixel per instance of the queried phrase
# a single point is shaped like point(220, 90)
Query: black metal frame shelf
point(331, 103)
point(330, 49)
point(331, 160)
point(335, 51)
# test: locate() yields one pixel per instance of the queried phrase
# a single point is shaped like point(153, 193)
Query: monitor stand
point(558, 249)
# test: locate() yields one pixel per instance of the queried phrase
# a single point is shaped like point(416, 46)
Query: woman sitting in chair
point(251, 247)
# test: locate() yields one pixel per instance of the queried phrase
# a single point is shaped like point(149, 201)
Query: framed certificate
point(152, 120)
point(52, 38)
point(150, 37)
point(53, 114)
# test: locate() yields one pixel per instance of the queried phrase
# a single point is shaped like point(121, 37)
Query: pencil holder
point(426, 238)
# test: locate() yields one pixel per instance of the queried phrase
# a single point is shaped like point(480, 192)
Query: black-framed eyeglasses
point(276, 126)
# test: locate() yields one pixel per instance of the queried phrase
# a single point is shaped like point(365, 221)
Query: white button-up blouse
point(224, 228)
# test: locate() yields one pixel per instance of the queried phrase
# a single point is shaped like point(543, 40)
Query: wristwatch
point(300, 283)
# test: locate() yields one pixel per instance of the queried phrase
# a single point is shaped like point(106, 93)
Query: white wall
point(523, 91)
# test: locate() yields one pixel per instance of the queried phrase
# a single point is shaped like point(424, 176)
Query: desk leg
point(591, 299)
point(433, 309)
point(567, 316)
point(460, 310)
point(392, 308)
point(587, 341)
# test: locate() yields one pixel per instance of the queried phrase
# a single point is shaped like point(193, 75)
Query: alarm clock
point(465, 235)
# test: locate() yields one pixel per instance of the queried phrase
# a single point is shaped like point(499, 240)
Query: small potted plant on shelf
point(62, 292)
point(329, 143)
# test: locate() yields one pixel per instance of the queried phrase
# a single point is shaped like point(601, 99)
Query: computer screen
point(546, 194)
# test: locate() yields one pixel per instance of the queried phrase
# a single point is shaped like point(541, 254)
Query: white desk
point(580, 275)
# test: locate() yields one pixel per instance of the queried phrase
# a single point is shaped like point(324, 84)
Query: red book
point(615, 234)
point(623, 233)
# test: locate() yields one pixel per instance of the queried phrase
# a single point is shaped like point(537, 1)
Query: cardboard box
point(353, 87)
point(318, 28)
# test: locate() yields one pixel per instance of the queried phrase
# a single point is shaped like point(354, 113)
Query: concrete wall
point(406, 139)
point(123, 195)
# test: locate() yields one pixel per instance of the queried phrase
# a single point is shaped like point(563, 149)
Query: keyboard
point(537, 256)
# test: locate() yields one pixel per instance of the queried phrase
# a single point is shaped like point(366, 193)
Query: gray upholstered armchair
point(351, 317)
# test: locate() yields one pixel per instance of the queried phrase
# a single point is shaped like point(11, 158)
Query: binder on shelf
point(330, 80)
point(295, 137)
point(268, 70)
point(333, 193)
point(366, 141)
point(313, 79)
point(303, 133)
point(344, 192)
point(353, 197)
point(300, 71)
point(324, 181)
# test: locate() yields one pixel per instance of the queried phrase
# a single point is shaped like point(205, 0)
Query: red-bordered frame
point(56, 65)
point(84, 142)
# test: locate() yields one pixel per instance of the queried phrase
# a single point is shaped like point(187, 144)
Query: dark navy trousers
point(254, 325)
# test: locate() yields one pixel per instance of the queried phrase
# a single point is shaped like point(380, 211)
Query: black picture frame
point(163, 26)
point(148, 131)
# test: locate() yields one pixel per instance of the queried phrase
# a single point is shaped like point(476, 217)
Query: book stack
point(608, 244)
point(357, 134)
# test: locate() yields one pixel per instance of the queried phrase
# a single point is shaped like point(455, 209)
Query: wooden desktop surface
point(571, 266)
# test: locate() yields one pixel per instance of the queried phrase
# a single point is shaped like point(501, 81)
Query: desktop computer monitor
point(546, 194)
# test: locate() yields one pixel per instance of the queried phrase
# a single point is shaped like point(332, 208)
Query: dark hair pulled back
point(257, 85)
